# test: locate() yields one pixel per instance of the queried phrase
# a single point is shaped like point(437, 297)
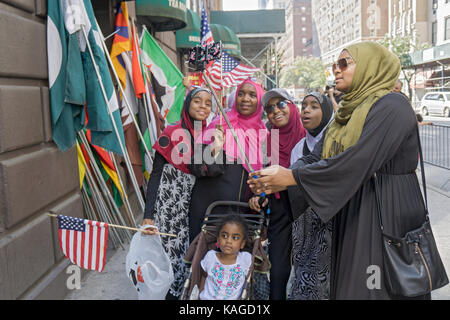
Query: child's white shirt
point(224, 282)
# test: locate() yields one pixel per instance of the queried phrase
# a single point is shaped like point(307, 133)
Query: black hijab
point(327, 111)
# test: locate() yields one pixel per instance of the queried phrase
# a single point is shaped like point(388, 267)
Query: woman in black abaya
point(374, 131)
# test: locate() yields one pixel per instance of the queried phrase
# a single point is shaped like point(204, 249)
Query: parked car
point(436, 103)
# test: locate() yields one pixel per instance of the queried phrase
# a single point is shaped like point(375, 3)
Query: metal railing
point(435, 141)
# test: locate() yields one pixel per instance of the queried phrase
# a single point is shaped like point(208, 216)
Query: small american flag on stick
point(83, 241)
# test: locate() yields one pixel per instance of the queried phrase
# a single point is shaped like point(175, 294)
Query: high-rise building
point(298, 38)
point(340, 23)
point(439, 17)
point(408, 17)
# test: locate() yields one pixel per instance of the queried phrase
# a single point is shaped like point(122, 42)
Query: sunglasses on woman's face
point(341, 63)
point(280, 105)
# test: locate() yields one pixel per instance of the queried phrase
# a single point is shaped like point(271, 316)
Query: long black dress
point(220, 181)
point(341, 188)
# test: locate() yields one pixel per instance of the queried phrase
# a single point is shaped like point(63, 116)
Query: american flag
point(205, 33)
point(83, 241)
point(232, 74)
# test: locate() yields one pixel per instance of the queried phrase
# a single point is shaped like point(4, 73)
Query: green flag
point(99, 121)
point(167, 75)
point(66, 83)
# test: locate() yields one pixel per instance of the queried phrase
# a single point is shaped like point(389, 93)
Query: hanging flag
point(206, 35)
point(83, 241)
point(121, 42)
point(81, 165)
point(122, 45)
point(138, 79)
point(103, 132)
point(166, 74)
point(228, 72)
point(66, 83)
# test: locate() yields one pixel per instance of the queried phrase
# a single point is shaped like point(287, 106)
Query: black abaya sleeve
point(211, 167)
point(296, 197)
point(330, 183)
point(153, 185)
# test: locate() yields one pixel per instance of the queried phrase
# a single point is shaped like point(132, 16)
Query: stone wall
point(35, 176)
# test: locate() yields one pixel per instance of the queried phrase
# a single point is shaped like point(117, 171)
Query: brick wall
point(35, 176)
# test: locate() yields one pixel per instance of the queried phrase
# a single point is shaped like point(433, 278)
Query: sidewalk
point(113, 283)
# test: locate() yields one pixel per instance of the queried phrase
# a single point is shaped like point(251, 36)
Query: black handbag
point(412, 264)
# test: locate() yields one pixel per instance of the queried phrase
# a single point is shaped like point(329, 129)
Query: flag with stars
point(83, 241)
point(205, 33)
point(232, 74)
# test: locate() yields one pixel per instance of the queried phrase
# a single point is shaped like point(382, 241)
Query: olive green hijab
point(376, 71)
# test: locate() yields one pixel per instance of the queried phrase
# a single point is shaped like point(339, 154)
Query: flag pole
point(127, 103)
point(221, 84)
point(144, 95)
point(124, 196)
point(102, 185)
point(124, 151)
point(53, 215)
point(103, 213)
point(219, 103)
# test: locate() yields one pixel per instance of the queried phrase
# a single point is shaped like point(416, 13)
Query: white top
point(224, 282)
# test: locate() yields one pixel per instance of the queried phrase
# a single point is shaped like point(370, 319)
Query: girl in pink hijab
point(224, 176)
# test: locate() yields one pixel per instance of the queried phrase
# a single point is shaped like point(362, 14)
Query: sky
point(230, 5)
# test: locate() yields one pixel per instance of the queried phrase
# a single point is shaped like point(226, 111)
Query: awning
point(230, 41)
point(189, 36)
point(162, 15)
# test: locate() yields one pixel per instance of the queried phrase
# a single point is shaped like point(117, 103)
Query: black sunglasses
point(280, 105)
point(341, 63)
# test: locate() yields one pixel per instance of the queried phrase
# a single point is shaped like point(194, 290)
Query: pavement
point(113, 283)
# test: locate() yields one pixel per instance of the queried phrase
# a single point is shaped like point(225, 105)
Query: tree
point(308, 73)
point(402, 47)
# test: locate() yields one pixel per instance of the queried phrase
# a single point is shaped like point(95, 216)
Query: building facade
point(298, 38)
point(410, 17)
point(340, 23)
point(439, 17)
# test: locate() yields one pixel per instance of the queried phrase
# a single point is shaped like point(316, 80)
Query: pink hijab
point(251, 131)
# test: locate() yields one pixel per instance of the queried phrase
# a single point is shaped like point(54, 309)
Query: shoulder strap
point(422, 170)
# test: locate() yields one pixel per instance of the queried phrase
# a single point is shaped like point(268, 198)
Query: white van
point(436, 103)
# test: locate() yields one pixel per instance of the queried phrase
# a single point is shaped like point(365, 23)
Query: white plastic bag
point(148, 266)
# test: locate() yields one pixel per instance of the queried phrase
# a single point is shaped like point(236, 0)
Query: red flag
point(102, 153)
point(138, 79)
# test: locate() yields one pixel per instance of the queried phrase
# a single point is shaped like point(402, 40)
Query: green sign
point(162, 15)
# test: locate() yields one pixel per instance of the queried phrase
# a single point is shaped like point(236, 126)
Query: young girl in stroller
point(224, 272)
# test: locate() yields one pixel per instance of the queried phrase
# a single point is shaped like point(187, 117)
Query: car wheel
point(424, 111)
point(447, 112)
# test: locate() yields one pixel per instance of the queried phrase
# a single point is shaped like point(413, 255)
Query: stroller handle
point(225, 203)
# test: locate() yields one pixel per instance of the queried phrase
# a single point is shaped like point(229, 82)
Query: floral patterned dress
point(171, 216)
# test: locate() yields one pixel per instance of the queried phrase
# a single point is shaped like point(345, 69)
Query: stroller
point(207, 238)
